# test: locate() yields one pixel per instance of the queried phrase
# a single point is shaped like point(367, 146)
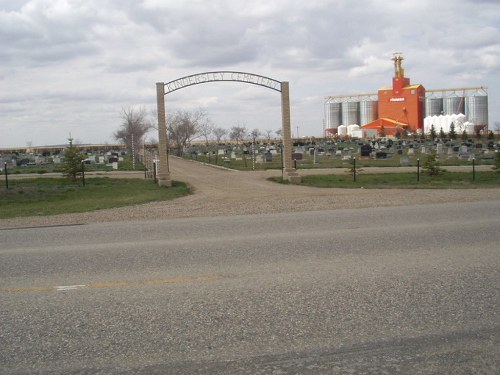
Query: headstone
point(269, 157)
point(365, 150)
point(297, 156)
point(405, 161)
point(233, 155)
point(411, 151)
point(423, 150)
point(316, 157)
point(114, 165)
point(439, 148)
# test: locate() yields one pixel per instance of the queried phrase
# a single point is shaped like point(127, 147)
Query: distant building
point(403, 108)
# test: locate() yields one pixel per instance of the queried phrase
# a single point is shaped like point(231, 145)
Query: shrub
point(431, 165)
point(497, 161)
point(72, 166)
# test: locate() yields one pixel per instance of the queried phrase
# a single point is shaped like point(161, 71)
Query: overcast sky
point(70, 66)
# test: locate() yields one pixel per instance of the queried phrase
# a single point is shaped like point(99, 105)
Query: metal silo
point(368, 111)
point(333, 115)
point(476, 109)
point(433, 107)
point(453, 105)
point(350, 113)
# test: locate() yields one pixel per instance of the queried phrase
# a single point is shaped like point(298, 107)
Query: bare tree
point(237, 133)
point(134, 127)
point(219, 133)
point(183, 127)
point(279, 132)
point(255, 134)
point(268, 134)
point(206, 129)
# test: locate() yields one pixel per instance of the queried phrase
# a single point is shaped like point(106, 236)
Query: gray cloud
point(70, 66)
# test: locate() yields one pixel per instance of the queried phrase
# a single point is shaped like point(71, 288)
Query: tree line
point(182, 128)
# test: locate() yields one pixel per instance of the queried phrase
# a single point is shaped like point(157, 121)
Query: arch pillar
point(290, 173)
point(163, 172)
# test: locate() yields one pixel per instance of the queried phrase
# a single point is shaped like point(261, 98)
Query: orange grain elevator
point(400, 107)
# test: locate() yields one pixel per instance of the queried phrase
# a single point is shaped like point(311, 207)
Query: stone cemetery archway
point(163, 89)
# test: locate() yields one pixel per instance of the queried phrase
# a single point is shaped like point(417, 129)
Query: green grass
point(52, 196)
point(449, 180)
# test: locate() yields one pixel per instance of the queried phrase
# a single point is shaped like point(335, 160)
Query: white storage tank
point(342, 130)
point(352, 128)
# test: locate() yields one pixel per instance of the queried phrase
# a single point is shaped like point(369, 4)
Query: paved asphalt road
point(408, 290)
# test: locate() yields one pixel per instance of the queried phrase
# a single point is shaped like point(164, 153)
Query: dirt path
point(219, 191)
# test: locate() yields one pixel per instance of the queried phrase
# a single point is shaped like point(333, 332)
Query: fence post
point(6, 175)
point(354, 169)
point(83, 173)
point(474, 168)
point(418, 169)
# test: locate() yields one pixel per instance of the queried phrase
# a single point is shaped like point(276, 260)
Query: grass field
point(51, 196)
point(449, 180)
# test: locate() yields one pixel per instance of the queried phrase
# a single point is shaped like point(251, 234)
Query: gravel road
point(219, 191)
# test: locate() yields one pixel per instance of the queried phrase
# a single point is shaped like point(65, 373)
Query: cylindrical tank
point(368, 111)
point(342, 130)
point(476, 109)
point(333, 115)
point(433, 106)
point(453, 104)
point(351, 128)
point(350, 113)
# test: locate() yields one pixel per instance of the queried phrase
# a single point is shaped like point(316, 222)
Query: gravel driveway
point(219, 191)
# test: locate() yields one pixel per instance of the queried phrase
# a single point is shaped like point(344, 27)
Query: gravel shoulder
point(219, 191)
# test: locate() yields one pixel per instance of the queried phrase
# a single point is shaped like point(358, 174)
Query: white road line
point(69, 287)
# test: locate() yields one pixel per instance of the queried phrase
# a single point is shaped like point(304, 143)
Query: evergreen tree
point(497, 162)
point(431, 165)
point(464, 135)
point(433, 132)
point(72, 166)
point(478, 134)
point(441, 134)
point(452, 134)
point(491, 135)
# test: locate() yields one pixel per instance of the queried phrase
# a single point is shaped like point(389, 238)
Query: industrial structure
point(405, 108)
